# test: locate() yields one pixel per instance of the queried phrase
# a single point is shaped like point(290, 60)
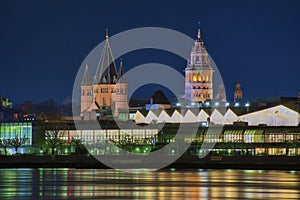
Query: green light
point(197, 71)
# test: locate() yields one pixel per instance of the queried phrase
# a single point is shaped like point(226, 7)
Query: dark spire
point(106, 72)
point(86, 79)
point(121, 76)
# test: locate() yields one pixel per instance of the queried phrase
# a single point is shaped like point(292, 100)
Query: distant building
point(238, 94)
point(5, 103)
point(221, 93)
point(158, 101)
point(272, 116)
point(199, 74)
point(107, 91)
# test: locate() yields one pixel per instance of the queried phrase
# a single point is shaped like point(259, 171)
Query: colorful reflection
point(168, 184)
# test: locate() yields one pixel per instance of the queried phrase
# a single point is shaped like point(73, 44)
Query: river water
point(166, 184)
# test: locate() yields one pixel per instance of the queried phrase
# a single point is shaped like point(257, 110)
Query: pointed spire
point(106, 35)
point(121, 76)
point(106, 72)
point(199, 32)
point(86, 80)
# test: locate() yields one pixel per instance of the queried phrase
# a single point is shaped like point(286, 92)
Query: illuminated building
point(199, 74)
point(20, 130)
point(238, 94)
point(272, 116)
point(108, 89)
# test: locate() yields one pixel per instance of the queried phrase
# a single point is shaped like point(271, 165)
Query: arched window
point(194, 78)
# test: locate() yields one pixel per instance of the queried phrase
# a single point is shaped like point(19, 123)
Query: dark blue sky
point(43, 43)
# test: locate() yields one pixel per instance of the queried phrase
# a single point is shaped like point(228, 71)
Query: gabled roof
point(163, 117)
point(139, 117)
point(106, 72)
point(216, 117)
point(176, 117)
point(230, 117)
point(86, 79)
point(189, 117)
point(202, 116)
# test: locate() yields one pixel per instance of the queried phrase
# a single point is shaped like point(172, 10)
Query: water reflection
point(113, 184)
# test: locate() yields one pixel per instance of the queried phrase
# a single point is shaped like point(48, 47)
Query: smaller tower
point(86, 90)
point(121, 98)
point(221, 93)
point(238, 94)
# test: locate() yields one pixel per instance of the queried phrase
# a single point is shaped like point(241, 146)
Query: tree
point(79, 147)
point(4, 143)
point(17, 142)
point(54, 130)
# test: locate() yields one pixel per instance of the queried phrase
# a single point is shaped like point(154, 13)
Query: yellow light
point(194, 78)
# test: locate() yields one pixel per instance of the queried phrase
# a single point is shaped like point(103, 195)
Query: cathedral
point(106, 93)
point(199, 74)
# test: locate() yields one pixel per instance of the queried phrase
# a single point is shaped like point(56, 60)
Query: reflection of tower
point(238, 94)
point(221, 93)
point(199, 74)
point(121, 99)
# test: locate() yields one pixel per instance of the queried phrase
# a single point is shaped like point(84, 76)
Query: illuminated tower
point(106, 77)
point(121, 99)
point(238, 94)
point(86, 90)
point(199, 74)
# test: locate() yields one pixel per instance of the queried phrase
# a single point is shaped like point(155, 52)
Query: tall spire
point(121, 76)
point(86, 79)
point(106, 72)
point(199, 32)
point(106, 35)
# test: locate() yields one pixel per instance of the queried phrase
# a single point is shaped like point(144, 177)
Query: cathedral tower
point(199, 74)
point(121, 99)
point(86, 90)
point(106, 77)
point(238, 94)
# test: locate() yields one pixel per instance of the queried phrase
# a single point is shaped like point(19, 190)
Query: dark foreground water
point(168, 184)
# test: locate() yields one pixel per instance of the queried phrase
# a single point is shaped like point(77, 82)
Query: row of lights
point(227, 104)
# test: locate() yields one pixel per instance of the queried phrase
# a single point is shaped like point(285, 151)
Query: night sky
point(43, 43)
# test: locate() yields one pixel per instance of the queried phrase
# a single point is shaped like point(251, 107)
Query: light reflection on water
point(113, 184)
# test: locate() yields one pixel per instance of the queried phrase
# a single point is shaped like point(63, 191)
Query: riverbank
point(184, 162)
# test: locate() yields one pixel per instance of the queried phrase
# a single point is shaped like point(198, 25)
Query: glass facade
point(17, 130)
point(110, 135)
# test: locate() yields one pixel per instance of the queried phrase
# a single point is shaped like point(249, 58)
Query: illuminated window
point(194, 78)
point(104, 90)
point(199, 78)
point(207, 78)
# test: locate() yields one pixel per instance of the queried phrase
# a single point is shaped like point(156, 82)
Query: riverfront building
point(106, 93)
point(199, 74)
